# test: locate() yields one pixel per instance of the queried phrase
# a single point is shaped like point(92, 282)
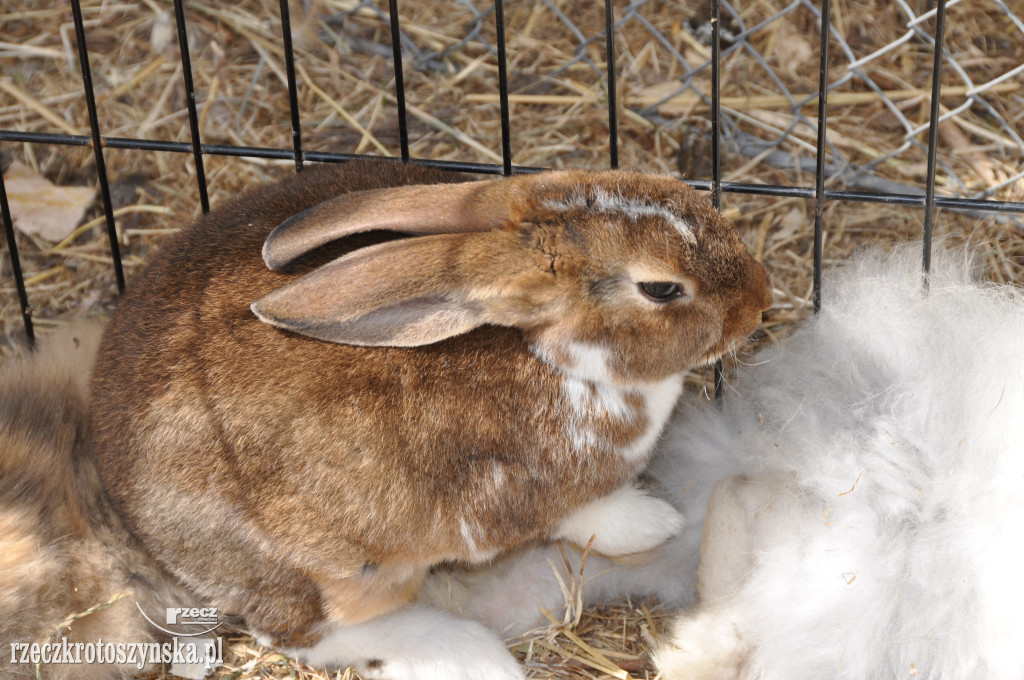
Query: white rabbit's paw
point(445, 664)
point(705, 646)
point(628, 520)
point(414, 643)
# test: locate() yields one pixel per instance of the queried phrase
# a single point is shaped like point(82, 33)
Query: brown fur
point(63, 550)
point(291, 480)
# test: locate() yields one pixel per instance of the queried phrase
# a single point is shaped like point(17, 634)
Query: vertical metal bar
point(396, 52)
point(716, 104)
point(190, 101)
point(293, 93)
point(613, 108)
point(506, 136)
point(933, 144)
point(716, 158)
point(819, 171)
point(97, 142)
point(19, 279)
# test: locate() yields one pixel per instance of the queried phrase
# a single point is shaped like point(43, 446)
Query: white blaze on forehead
point(602, 201)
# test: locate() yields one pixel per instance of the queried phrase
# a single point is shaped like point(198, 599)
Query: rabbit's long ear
point(413, 209)
point(402, 293)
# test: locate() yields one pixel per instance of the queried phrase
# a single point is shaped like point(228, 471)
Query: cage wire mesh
point(558, 83)
point(346, 103)
point(767, 118)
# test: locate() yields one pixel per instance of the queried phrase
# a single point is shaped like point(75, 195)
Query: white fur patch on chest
point(594, 401)
point(660, 398)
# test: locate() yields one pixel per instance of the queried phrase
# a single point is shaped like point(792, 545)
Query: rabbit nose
point(755, 296)
point(741, 322)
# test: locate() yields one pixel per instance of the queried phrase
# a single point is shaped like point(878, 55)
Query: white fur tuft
point(627, 520)
point(476, 553)
point(659, 400)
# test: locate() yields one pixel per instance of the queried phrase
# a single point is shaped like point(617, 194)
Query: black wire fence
point(726, 33)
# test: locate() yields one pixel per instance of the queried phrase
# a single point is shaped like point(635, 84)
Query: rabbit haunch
point(452, 414)
point(63, 550)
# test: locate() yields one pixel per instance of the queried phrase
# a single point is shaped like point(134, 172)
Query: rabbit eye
point(661, 291)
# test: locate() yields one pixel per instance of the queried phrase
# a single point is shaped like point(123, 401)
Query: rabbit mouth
point(710, 358)
point(712, 355)
point(723, 347)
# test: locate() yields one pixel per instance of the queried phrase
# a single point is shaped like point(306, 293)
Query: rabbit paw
point(628, 520)
point(704, 646)
point(414, 643)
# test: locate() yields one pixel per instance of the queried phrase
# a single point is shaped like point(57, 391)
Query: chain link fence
point(982, 99)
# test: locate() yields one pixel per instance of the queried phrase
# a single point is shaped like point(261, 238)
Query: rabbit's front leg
point(413, 643)
point(628, 520)
point(708, 643)
point(739, 509)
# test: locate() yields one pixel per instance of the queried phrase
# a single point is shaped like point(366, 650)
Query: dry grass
point(559, 118)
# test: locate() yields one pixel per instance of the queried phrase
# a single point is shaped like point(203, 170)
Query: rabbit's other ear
point(402, 293)
point(413, 209)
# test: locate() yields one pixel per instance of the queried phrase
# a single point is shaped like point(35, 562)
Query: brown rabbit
point(63, 550)
point(498, 378)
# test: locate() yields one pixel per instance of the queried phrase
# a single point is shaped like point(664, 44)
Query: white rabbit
point(877, 529)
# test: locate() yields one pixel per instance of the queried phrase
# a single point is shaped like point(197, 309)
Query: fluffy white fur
point(869, 507)
point(882, 510)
